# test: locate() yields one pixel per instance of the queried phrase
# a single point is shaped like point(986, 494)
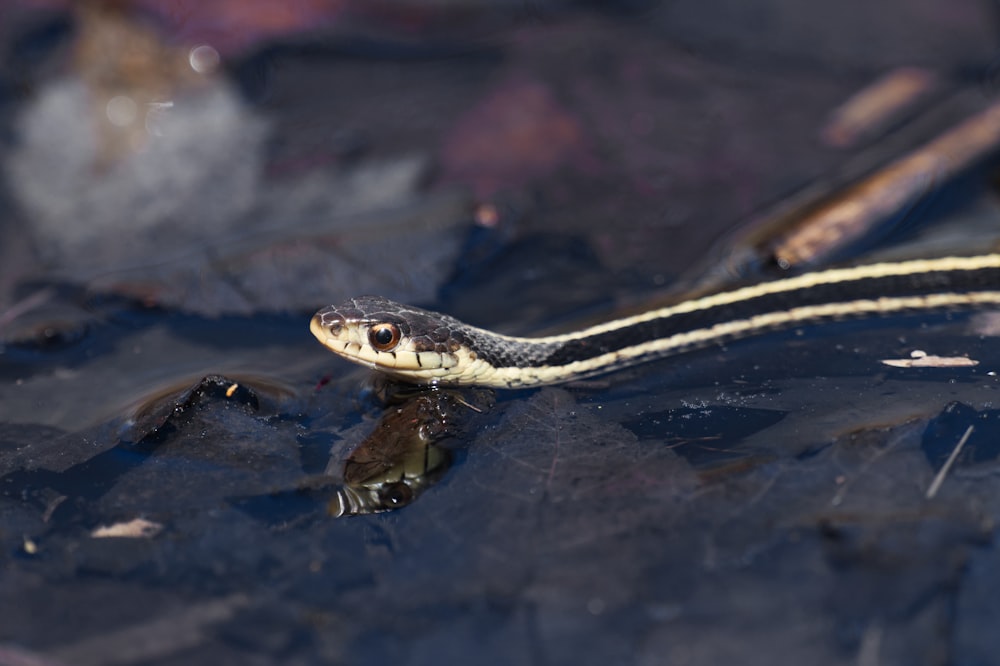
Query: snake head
point(407, 342)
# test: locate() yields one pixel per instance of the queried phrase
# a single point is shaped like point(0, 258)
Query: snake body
point(426, 347)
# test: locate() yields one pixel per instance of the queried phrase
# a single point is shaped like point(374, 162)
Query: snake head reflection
point(394, 488)
point(401, 458)
point(374, 498)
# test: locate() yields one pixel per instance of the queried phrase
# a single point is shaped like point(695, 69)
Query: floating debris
point(137, 528)
point(921, 359)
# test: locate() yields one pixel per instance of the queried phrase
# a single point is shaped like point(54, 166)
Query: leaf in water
point(548, 494)
point(558, 507)
point(564, 452)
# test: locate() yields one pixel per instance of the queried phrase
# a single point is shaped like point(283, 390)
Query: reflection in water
point(396, 462)
point(401, 458)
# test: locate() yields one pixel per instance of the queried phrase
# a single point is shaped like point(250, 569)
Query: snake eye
point(383, 337)
point(396, 494)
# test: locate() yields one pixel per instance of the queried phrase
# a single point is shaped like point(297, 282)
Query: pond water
point(187, 476)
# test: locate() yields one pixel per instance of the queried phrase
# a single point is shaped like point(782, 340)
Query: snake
point(425, 347)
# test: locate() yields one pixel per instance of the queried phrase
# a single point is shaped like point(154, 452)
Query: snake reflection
point(401, 457)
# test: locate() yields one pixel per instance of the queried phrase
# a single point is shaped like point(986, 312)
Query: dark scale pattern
point(500, 353)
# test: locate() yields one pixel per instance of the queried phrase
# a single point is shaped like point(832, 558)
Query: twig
point(943, 472)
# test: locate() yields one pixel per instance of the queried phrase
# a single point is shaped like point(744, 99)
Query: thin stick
point(891, 190)
point(943, 472)
point(25, 305)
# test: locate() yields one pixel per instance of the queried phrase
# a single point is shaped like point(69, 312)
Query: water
point(759, 502)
